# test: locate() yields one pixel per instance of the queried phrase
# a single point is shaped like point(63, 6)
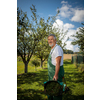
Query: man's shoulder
point(58, 51)
point(58, 47)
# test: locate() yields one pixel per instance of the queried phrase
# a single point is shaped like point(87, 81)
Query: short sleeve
point(58, 51)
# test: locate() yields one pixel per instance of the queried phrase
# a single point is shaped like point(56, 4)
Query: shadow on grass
point(30, 78)
point(67, 62)
point(68, 96)
point(74, 77)
point(71, 76)
point(29, 94)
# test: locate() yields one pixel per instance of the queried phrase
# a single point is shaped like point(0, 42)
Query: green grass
point(31, 67)
point(30, 86)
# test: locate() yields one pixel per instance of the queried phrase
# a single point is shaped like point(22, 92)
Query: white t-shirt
point(56, 52)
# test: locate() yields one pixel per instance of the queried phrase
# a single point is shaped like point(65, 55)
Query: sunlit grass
point(30, 86)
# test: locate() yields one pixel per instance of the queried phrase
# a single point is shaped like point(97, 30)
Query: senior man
point(55, 63)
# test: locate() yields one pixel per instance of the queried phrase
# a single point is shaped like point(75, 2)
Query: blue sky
point(70, 18)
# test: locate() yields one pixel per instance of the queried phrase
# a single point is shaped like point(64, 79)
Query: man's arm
point(58, 60)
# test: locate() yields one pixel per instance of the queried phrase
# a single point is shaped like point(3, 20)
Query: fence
point(78, 59)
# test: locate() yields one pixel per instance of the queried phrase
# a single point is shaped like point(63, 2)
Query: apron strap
point(53, 50)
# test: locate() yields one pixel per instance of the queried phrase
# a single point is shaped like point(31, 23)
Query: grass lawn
point(30, 86)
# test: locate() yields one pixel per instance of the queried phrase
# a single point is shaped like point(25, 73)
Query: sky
point(70, 17)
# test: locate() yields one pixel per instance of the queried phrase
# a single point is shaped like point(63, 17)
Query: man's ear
point(55, 40)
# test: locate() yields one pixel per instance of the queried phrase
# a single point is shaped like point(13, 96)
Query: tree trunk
point(41, 63)
point(26, 67)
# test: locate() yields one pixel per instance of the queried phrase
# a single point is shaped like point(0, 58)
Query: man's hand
point(55, 77)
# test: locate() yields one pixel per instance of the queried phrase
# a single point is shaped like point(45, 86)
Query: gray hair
point(52, 35)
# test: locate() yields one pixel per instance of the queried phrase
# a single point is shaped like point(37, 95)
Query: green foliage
point(42, 49)
point(79, 39)
point(27, 37)
point(32, 37)
point(68, 51)
point(19, 58)
point(35, 62)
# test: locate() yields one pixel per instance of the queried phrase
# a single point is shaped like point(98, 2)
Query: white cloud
point(66, 11)
point(64, 2)
point(78, 16)
point(67, 26)
point(70, 33)
point(69, 46)
point(76, 49)
point(78, 30)
point(59, 24)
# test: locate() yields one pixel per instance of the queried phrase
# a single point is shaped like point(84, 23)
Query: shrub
point(19, 58)
point(35, 62)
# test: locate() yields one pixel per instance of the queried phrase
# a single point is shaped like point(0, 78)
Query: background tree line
point(68, 51)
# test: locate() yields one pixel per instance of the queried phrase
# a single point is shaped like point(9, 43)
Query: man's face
point(51, 41)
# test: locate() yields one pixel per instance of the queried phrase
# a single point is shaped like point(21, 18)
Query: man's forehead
point(51, 37)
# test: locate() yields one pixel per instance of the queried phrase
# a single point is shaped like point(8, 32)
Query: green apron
point(51, 73)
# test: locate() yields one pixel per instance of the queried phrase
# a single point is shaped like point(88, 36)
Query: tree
point(31, 37)
point(27, 37)
point(43, 49)
point(79, 39)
